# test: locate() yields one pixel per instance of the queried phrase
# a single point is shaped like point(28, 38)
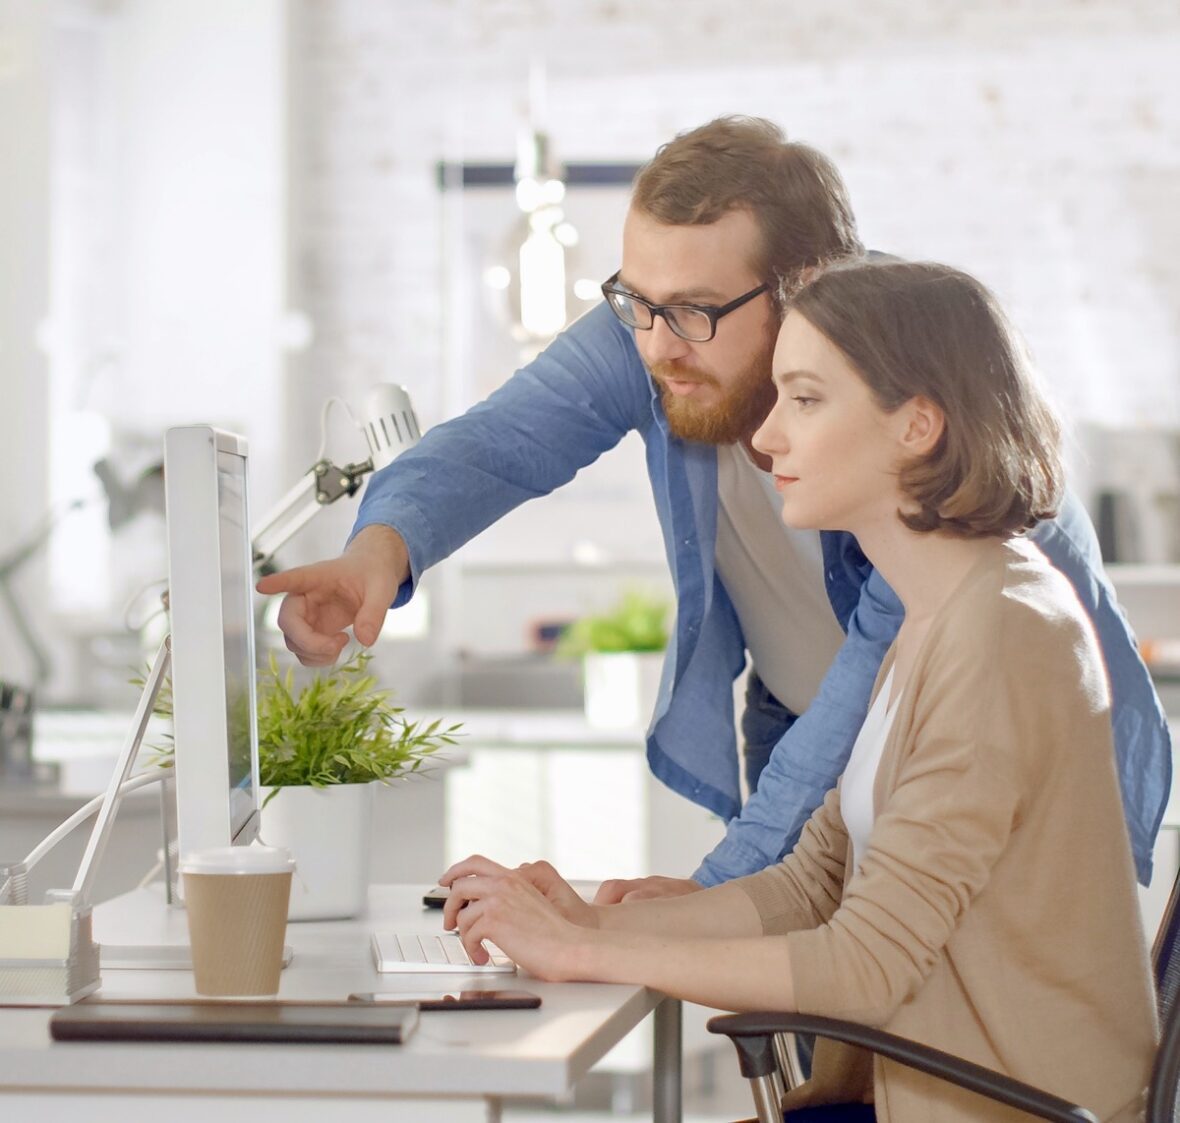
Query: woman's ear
point(923, 424)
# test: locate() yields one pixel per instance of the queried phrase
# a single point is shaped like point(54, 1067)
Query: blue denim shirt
point(577, 400)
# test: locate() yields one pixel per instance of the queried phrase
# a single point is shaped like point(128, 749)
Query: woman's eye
point(803, 400)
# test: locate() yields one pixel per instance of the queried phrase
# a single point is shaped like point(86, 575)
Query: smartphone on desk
point(453, 1000)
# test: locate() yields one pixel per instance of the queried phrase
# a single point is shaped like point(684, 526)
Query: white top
point(856, 785)
point(775, 577)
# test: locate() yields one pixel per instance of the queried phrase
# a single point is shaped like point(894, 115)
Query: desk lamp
point(47, 953)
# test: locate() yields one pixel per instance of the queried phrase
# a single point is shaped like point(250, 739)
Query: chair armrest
point(752, 1034)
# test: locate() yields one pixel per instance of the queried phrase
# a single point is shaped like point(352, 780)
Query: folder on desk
point(309, 1022)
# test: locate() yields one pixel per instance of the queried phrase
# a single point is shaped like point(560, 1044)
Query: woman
point(969, 883)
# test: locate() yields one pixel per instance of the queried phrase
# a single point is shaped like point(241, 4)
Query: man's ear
point(923, 425)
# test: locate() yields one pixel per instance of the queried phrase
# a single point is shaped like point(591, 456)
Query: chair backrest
point(1165, 954)
point(1165, 961)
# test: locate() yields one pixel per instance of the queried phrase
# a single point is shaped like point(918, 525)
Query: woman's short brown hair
point(746, 163)
point(919, 329)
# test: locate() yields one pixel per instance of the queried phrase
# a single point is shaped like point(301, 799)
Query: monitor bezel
point(207, 814)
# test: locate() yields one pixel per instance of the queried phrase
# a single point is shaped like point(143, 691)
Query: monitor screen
point(211, 596)
point(237, 619)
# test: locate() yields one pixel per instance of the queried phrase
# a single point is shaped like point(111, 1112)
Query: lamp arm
point(9, 564)
point(13, 560)
point(323, 483)
point(42, 665)
point(389, 425)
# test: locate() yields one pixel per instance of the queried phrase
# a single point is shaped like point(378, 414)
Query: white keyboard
point(433, 954)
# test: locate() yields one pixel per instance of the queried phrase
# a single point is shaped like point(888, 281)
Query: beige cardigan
point(995, 913)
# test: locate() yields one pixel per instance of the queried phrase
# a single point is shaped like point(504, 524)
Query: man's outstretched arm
point(556, 415)
point(559, 413)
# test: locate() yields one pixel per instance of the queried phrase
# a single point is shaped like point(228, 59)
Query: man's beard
point(743, 407)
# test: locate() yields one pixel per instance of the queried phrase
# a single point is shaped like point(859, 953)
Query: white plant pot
point(621, 688)
point(328, 831)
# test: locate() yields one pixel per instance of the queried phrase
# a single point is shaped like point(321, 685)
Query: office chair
point(764, 1054)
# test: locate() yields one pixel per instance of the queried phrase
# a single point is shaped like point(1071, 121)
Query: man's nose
point(661, 344)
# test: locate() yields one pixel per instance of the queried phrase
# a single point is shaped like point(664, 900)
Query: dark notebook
point(312, 1022)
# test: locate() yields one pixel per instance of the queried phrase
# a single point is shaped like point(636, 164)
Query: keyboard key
point(411, 952)
point(454, 950)
point(433, 950)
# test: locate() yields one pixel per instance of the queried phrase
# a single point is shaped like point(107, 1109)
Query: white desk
point(457, 1065)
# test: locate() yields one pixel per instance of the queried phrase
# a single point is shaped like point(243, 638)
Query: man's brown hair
point(793, 192)
point(918, 329)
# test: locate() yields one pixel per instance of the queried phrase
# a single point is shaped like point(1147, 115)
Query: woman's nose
point(771, 435)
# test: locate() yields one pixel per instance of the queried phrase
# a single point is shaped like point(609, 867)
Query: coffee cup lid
point(239, 859)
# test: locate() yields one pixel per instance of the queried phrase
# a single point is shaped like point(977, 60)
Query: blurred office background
point(224, 212)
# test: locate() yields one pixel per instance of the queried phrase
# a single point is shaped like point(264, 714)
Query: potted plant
point(321, 747)
point(621, 651)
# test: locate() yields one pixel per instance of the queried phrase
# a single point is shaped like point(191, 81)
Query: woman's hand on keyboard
point(559, 893)
point(491, 902)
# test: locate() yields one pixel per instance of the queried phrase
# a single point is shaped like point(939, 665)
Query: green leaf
point(340, 728)
point(638, 622)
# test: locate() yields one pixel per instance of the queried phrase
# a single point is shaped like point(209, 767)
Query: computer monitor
point(211, 590)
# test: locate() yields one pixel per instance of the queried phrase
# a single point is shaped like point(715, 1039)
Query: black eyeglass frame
point(713, 312)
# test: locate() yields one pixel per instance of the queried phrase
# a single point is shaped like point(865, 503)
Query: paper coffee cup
point(237, 898)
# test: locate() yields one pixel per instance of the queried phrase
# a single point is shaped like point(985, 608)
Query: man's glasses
point(696, 323)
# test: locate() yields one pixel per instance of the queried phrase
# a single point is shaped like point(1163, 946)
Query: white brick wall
point(1035, 143)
